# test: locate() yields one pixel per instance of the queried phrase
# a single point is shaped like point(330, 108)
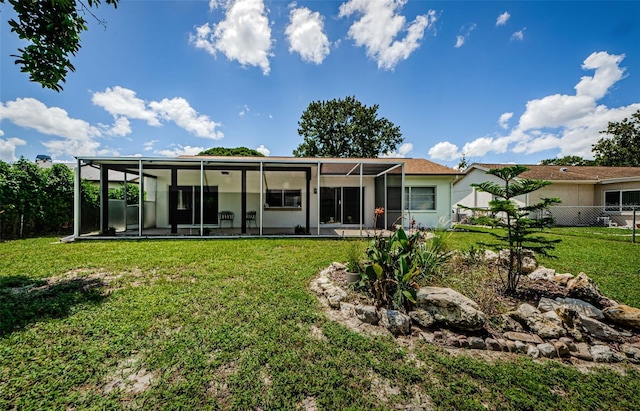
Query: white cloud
point(119, 101)
point(502, 19)
point(607, 72)
point(8, 147)
point(461, 39)
point(244, 35)
point(263, 150)
point(504, 120)
point(444, 151)
point(379, 26)
point(403, 151)
point(244, 111)
point(518, 35)
point(306, 36)
point(570, 124)
point(179, 150)
point(148, 145)
point(78, 136)
point(180, 112)
point(120, 128)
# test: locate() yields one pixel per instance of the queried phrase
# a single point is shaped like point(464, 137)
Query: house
point(591, 195)
point(208, 196)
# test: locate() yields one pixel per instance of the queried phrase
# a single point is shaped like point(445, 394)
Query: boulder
point(533, 351)
point(623, 315)
point(579, 327)
point(422, 317)
point(490, 256)
point(367, 314)
point(492, 344)
point(348, 309)
point(520, 347)
point(336, 266)
point(335, 295)
point(561, 348)
point(529, 263)
point(396, 322)
point(562, 279)
point(476, 343)
point(542, 273)
point(582, 352)
point(604, 353)
point(504, 322)
point(547, 350)
point(523, 312)
point(584, 288)
point(631, 351)
point(582, 307)
point(523, 337)
point(547, 325)
point(450, 308)
point(453, 341)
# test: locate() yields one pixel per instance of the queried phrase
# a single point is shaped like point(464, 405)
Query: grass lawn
point(231, 324)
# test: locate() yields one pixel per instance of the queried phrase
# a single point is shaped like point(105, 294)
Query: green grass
point(231, 324)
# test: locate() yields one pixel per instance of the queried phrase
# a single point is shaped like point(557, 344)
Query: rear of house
point(209, 196)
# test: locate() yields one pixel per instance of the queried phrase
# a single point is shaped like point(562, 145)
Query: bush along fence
point(38, 201)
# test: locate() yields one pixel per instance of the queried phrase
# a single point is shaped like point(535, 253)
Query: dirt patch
point(130, 378)
point(218, 387)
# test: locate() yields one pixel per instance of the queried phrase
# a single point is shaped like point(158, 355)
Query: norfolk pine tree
point(521, 229)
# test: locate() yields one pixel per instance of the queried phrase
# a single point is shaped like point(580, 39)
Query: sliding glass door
point(340, 205)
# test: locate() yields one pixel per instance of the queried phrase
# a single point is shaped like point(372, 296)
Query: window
point(621, 200)
point(284, 198)
point(420, 198)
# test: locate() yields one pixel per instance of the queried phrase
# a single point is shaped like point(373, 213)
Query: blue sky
point(495, 81)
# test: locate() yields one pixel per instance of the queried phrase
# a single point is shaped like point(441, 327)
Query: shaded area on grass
point(24, 300)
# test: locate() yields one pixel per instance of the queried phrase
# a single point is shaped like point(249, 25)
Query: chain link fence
point(572, 216)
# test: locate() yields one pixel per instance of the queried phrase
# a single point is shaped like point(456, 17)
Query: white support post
point(402, 198)
point(125, 188)
point(261, 194)
point(201, 198)
point(386, 207)
point(318, 198)
point(361, 201)
point(77, 200)
point(140, 198)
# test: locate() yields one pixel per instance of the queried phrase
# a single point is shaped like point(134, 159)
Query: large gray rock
point(547, 350)
point(582, 307)
point(603, 353)
point(422, 317)
point(335, 295)
point(529, 263)
point(580, 327)
point(523, 312)
point(367, 314)
point(547, 325)
point(396, 322)
point(542, 273)
point(623, 315)
point(523, 337)
point(450, 308)
point(582, 352)
point(584, 288)
point(504, 322)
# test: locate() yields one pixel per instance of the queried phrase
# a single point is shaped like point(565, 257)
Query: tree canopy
point(52, 28)
point(568, 161)
point(345, 128)
point(231, 152)
point(623, 147)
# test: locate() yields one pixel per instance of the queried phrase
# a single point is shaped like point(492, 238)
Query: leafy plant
point(353, 257)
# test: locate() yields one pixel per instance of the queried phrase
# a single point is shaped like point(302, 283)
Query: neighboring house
point(608, 194)
point(203, 195)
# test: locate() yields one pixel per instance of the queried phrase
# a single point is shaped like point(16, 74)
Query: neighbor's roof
point(569, 173)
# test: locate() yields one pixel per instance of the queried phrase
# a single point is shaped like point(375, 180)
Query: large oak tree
point(623, 147)
point(345, 128)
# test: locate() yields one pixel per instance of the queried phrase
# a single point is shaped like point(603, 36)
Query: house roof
point(569, 173)
point(335, 165)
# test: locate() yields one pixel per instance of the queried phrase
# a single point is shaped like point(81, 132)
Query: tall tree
point(623, 147)
point(234, 152)
point(520, 229)
point(52, 28)
point(568, 161)
point(345, 128)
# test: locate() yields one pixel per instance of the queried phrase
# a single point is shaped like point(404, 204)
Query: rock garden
point(552, 315)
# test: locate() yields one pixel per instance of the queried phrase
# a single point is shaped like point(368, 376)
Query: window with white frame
point(420, 198)
point(620, 200)
point(284, 198)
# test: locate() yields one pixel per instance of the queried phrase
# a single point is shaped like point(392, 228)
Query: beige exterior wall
point(601, 188)
point(442, 214)
point(571, 194)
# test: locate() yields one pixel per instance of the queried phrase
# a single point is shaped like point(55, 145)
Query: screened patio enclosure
point(232, 196)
